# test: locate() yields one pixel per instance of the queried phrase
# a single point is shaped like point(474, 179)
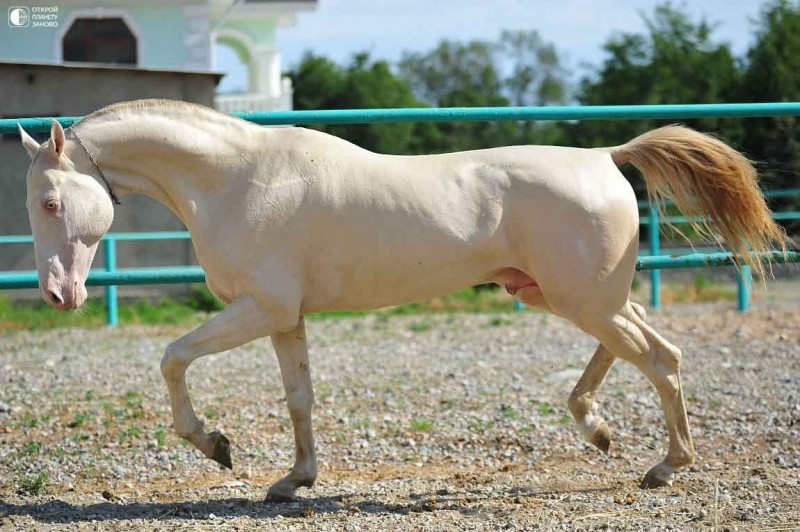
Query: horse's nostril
point(55, 298)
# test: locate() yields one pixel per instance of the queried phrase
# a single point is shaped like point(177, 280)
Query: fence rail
point(476, 114)
point(655, 261)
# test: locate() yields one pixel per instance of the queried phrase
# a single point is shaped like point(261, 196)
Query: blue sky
point(385, 28)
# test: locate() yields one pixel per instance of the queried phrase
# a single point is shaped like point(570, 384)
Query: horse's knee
point(173, 362)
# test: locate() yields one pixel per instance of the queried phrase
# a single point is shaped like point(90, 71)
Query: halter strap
point(111, 192)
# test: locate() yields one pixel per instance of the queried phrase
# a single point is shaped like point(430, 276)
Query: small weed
point(509, 412)
point(200, 298)
point(448, 403)
point(130, 433)
point(422, 425)
point(359, 424)
point(499, 322)
point(565, 419)
point(621, 393)
point(546, 409)
point(81, 437)
point(33, 485)
point(420, 326)
point(161, 436)
point(211, 413)
point(133, 400)
point(32, 422)
point(79, 419)
point(481, 426)
point(715, 403)
point(32, 447)
point(89, 395)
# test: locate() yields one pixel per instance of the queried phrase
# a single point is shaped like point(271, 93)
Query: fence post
point(655, 249)
point(744, 280)
point(112, 312)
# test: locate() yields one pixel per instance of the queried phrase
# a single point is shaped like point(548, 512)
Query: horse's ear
point(30, 145)
point(57, 139)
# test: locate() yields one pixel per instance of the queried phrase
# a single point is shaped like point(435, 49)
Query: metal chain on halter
point(111, 192)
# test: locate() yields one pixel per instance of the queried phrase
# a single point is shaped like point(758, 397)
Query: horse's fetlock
point(580, 403)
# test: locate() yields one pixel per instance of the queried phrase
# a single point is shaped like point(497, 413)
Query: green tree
point(518, 69)
point(322, 84)
point(772, 75)
point(675, 61)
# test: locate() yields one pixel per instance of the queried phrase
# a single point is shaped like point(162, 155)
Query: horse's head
point(69, 212)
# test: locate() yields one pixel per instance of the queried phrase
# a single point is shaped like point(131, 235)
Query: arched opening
point(234, 61)
point(100, 40)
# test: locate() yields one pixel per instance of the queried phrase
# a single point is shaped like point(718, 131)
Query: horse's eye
point(51, 205)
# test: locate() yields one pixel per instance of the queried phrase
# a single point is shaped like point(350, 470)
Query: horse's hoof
point(278, 495)
point(222, 450)
point(656, 478)
point(602, 438)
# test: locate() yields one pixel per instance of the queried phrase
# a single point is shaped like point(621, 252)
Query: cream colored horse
point(290, 221)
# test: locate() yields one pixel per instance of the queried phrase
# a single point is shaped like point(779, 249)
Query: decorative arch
point(245, 49)
point(98, 13)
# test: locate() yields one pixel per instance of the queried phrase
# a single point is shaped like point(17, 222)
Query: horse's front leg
point(292, 352)
point(242, 321)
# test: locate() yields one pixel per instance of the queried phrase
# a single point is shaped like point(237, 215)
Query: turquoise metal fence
point(187, 274)
point(474, 114)
point(744, 280)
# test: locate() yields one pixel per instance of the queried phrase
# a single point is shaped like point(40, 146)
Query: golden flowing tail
point(705, 177)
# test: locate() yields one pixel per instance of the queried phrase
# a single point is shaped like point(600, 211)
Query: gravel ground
point(434, 422)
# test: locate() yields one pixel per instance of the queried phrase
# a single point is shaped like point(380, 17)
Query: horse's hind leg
point(630, 338)
point(581, 401)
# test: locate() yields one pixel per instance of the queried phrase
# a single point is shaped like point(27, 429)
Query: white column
point(267, 71)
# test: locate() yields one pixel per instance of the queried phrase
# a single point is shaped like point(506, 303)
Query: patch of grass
point(31, 422)
point(31, 447)
point(130, 433)
point(360, 424)
point(420, 326)
point(481, 426)
point(545, 409)
point(210, 413)
point(421, 425)
point(508, 412)
point(448, 403)
point(160, 436)
point(201, 298)
point(565, 419)
point(498, 321)
point(33, 485)
point(79, 419)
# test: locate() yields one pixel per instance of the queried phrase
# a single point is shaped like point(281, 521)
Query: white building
point(172, 35)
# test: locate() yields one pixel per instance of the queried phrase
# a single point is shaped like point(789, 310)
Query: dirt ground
point(432, 422)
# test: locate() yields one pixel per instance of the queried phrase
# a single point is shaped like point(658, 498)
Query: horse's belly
point(382, 281)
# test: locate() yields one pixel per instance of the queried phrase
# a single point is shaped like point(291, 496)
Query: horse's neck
point(177, 157)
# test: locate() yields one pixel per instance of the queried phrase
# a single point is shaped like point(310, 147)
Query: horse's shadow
point(58, 511)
